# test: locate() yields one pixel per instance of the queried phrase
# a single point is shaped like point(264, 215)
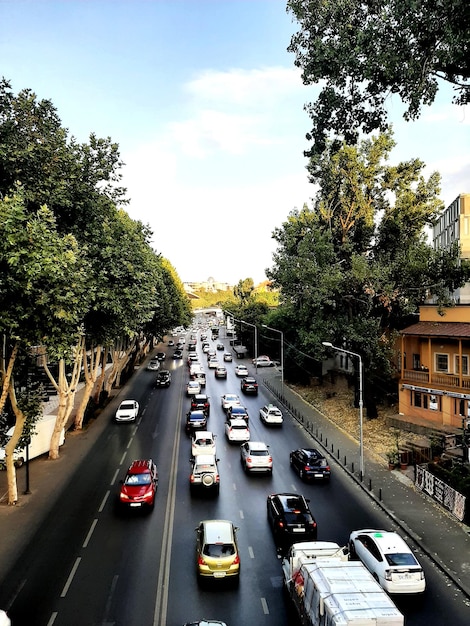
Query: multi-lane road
point(90, 565)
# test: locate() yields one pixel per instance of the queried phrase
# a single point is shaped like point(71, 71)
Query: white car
point(182, 340)
point(263, 361)
point(153, 365)
point(228, 400)
point(255, 457)
point(227, 357)
point(203, 442)
point(5, 620)
point(271, 415)
point(389, 559)
point(241, 370)
point(193, 388)
point(237, 430)
point(213, 364)
point(127, 411)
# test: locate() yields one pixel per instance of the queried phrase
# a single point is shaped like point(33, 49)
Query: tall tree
point(365, 51)
point(357, 263)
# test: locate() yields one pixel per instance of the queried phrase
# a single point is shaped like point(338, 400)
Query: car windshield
point(401, 558)
point(138, 479)
point(218, 549)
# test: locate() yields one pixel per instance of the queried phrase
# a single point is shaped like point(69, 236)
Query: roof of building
point(438, 329)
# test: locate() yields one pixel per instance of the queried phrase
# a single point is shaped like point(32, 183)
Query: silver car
point(255, 457)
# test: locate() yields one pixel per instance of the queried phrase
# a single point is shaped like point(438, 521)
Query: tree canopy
point(367, 51)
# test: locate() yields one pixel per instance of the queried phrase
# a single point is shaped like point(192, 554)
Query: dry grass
point(378, 436)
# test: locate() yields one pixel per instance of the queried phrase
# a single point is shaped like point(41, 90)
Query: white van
point(40, 441)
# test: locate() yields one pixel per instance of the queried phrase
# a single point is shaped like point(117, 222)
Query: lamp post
point(256, 341)
point(328, 344)
point(282, 353)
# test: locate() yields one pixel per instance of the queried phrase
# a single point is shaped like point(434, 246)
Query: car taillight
point(306, 468)
point(200, 560)
point(327, 468)
point(280, 524)
point(248, 459)
point(191, 478)
point(270, 459)
point(236, 560)
point(217, 478)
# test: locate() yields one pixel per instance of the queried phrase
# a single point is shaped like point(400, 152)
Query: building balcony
point(444, 381)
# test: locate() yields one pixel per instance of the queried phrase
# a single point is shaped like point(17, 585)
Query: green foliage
point(339, 273)
point(365, 51)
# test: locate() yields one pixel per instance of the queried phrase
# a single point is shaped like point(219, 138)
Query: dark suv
point(196, 420)
point(163, 378)
point(201, 402)
point(249, 385)
point(290, 519)
point(310, 464)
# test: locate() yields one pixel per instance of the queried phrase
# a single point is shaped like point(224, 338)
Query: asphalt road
point(91, 565)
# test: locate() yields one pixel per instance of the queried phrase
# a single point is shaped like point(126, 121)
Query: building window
point(442, 362)
point(416, 362)
point(417, 399)
point(434, 403)
point(464, 364)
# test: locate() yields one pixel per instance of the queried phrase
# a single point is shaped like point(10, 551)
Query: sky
point(208, 111)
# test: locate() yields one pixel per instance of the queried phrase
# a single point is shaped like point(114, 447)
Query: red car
point(139, 488)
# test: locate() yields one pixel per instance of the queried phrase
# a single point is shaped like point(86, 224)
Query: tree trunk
point(11, 445)
point(66, 392)
point(91, 374)
point(99, 386)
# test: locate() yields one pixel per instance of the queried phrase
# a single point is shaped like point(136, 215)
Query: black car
point(310, 464)
point(163, 378)
point(290, 519)
point(178, 354)
point(161, 356)
point(238, 412)
point(195, 420)
point(249, 385)
point(201, 402)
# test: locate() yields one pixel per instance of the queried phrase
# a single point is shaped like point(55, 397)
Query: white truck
point(40, 441)
point(327, 589)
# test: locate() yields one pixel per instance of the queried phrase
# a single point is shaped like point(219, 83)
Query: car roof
point(257, 445)
point(140, 466)
point(203, 434)
point(290, 501)
point(238, 421)
point(388, 541)
point(218, 531)
point(201, 396)
point(312, 453)
point(205, 459)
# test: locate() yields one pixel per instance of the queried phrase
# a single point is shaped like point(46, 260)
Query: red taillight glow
point(200, 560)
point(236, 560)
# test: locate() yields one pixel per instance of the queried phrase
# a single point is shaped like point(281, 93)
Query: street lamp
point(256, 341)
point(282, 352)
point(328, 344)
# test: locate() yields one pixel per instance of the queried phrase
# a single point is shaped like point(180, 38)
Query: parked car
point(217, 554)
point(236, 430)
point(249, 385)
point(163, 378)
point(193, 387)
point(196, 420)
point(153, 365)
point(201, 402)
point(389, 559)
point(228, 357)
point(139, 488)
point(241, 370)
point(127, 411)
point(255, 457)
point(263, 361)
point(271, 415)
point(220, 372)
point(228, 400)
point(290, 519)
point(310, 464)
point(202, 442)
point(204, 474)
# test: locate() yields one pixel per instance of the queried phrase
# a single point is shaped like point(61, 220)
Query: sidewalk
point(441, 537)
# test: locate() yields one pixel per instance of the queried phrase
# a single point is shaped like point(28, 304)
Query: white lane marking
point(242, 516)
point(264, 604)
point(70, 578)
point(116, 474)
point(251, 553)
point(90, 532)
point(103, 502)
point(122, 458)
point(234, 485)
point(52, 619)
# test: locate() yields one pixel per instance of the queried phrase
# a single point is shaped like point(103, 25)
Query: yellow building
point(435, 366)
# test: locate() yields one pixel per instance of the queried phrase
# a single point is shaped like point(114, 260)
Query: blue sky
point(207, 108)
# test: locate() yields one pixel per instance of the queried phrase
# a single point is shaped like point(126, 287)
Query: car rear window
point(295, 518)
point(401, 558)
point(218, 549)
point(259, 453)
